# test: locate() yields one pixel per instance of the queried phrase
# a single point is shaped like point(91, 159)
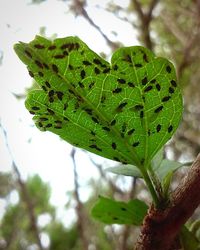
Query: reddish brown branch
point(161, 227)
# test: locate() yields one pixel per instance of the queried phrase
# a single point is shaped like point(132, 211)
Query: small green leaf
point(125, 110)
point(188, 240)
point(127, 170)
point(167, 166)
point(117, 212)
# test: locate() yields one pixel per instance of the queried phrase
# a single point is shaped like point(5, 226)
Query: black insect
point(55, 68)
point(117, 90)
point(121, 106)
point(122, 81)
point(131, 131)
point(173, 83)
point(158, 128)
point(148, 88)
point(113, 122)
point(52, 47)
point(114, 146)
point(144, 81)
point(39, 46)
point(28, 53)
point(170, 128)
point(135, 144)
point(157, 110)
point(168, 69)
point(97, 71)
point(166, 98)
point(82, 73)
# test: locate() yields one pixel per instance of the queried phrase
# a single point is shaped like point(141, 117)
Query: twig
point(79, 205)
point(78, 8)
point(161, 227)
point(145, 19)
point(25, 195)
point(113, 187)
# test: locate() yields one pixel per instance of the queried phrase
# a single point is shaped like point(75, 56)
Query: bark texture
point(161, 227)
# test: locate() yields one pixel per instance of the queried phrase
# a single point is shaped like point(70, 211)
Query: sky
point(36, 152)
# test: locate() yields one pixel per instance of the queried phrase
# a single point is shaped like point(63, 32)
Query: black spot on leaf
point(131, 131)
point(148, 88)
point(28, 53)
point(158, 86)
point(51, 112)
point(166, 98)
point(97, 61)
point(91, 85)
point(55, 68)
point(153, 81)
point(116, 158)
point(39, 46)
point(115, 67)
point(113, 122)
point(52, 47)
point(130, 84)
point(114, 146)
point(144, 81)
point(117, 90)
point(157, 110)
point(59, 56)
point(95, 119)
point(123, 209)
point(138, 65)
point(122, 81)
point(138, 107)
point(158, 128)
point(141, 114)
point(106, 70)
point(173, 83)
point(168, 69)
point(48, 84)
point(86, 63)
point(93, 133)
point(121, 106)
point(171, 90)
point(59, 95)
point(170, 128)
point(135, 144)
point(51, 93)
point(49, 125)
point(35, 108)
point(40, 74)
point(82, 73)
point(106, 128)
point(31, 73)
point(96, 147)
point(97, 71)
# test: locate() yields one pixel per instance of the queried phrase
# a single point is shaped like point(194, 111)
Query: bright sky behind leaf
point(34, 151)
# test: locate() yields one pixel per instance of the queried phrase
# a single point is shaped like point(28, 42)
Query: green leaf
point(117, 212)
point(125, 111)
point(127, 170)
point(166, 167)
point(188, 240)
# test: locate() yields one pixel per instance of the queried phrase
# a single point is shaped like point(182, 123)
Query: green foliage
point(40, 194)
point(117, 212)
point(123, 111)
point(60, 236)
point(6, 184)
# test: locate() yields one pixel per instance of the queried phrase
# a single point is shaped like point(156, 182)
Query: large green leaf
point(117, 212)
point(124, 111)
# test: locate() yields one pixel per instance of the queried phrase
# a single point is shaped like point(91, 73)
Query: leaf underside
point(117, 212)
point(125, 111)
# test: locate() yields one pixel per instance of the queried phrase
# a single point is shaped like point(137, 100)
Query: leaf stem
point(151, 187)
